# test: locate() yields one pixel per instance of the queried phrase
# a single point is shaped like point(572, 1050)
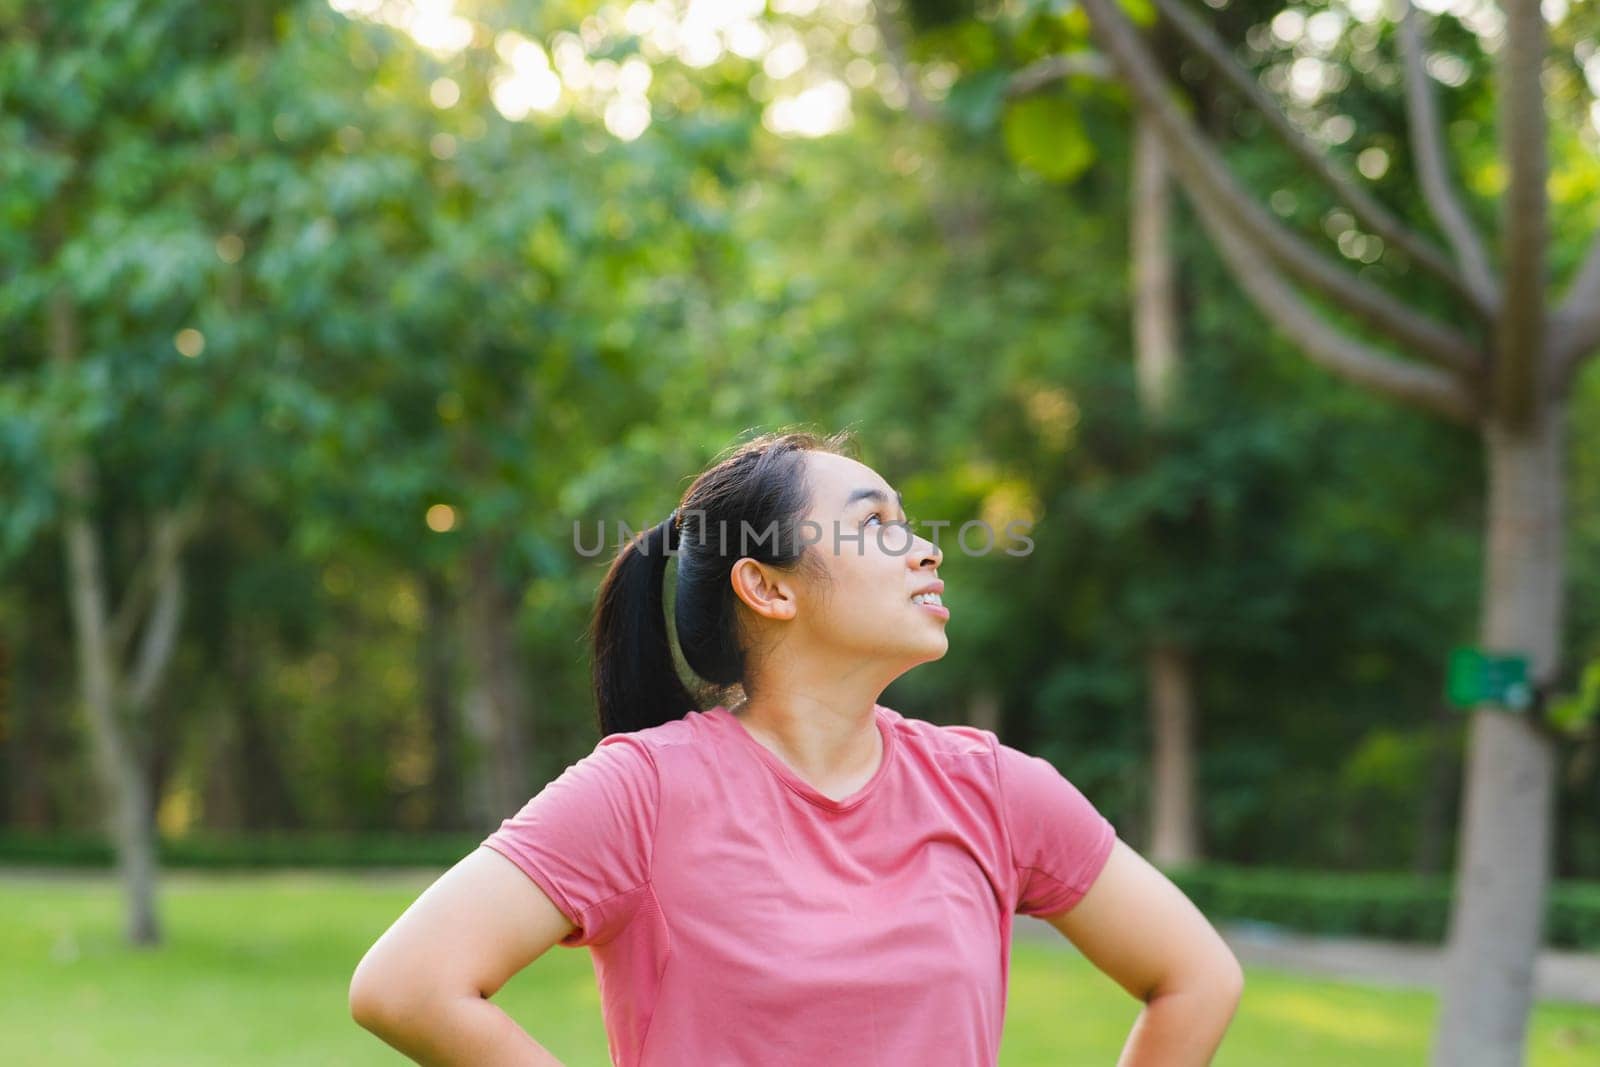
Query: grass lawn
point(256, 968)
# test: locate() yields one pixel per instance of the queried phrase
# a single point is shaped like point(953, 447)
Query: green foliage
point(1396, 907)
point(1573, 713)
point(1044, 134)
point(246, 851)
point(977, 98)
point(404, 305)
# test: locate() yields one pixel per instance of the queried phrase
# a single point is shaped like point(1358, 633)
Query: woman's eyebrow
point(873, 494)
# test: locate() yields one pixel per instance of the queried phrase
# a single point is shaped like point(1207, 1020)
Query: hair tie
point(669, 529)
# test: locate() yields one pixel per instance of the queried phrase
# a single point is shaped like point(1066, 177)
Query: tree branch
point(1576, 332)
point(130, 612)
point(160, 636)
point(1520, 350)
point(1434, 390)
point(894, 47)
point(1051, 69)
point(1155, 294)
point(1366, 208)
point(1200, 167)
point(1427, 142)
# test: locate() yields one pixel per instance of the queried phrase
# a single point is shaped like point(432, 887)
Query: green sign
point(1476, 677)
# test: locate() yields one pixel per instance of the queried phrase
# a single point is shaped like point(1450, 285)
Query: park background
point(330, 329)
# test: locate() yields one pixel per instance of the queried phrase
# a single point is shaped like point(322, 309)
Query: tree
point(104, 284)
point(1505, 368)
point(1169, 661)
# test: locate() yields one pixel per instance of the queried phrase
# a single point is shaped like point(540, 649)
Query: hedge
point(251, 851)
point(1397, 907)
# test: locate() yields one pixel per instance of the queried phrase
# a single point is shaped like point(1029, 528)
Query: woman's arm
point(423, 987)
point(1182, 1026)
point(460, 1031)
point(1139, 928)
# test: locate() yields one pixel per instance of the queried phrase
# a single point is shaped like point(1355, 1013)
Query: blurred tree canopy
point(394, 295)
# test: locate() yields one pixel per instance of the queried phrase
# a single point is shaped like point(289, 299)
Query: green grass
point(256, 968)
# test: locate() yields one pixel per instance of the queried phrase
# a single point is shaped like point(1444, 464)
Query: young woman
point(801, 876)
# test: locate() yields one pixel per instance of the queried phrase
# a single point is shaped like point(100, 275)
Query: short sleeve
point(586, 838)
point(1059, 840)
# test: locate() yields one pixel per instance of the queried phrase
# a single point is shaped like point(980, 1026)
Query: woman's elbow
point(1235, 979)
point(1227, 981)
point(366, 1004)
point(1226, 974)
point(1220, 979)
point(374, 1002)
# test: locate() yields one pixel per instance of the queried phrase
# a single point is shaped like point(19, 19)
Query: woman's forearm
point(1181, 1028)
point(461, 1031)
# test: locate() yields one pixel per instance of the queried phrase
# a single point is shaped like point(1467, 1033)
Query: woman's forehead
point(836, 478)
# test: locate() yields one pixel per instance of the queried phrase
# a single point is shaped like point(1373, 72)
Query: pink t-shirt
point(737, 917)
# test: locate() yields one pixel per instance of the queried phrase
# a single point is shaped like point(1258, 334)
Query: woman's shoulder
point(696, 725)
point(947, 737)
point(695, 739)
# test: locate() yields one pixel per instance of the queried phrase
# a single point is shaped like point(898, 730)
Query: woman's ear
point(763, 591)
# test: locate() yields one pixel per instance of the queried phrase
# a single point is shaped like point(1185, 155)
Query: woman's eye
point(907, 522)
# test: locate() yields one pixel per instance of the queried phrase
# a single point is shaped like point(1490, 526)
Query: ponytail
point(636, 682)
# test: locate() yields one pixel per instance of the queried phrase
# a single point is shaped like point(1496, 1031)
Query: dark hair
point(762, 483)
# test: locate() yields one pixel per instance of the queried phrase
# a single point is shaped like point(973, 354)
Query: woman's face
point(861, 615)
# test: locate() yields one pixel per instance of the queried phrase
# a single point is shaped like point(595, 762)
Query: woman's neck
point(832, 752)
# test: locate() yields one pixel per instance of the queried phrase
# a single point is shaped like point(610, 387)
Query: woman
point(801, 876)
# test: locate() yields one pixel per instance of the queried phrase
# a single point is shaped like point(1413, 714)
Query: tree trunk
point(482, 805)
point(124, 791)
point(491, 623)
point(1503, 865)
point(983, 711)
point(1174, 840)
point(438, 696)
point(1174, 833)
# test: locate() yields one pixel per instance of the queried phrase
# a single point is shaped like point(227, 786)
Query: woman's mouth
point(932, 602)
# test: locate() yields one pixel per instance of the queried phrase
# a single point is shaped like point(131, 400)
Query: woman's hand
point(1139, 928)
